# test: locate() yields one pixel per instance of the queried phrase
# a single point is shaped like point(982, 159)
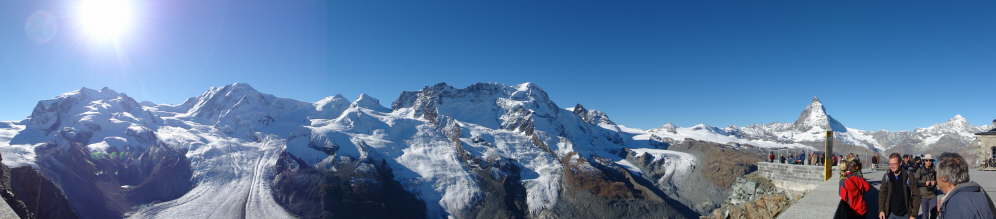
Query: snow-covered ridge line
point(430, 138)
point(810, 129)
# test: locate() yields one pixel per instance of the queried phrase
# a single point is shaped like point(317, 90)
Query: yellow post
point(828, 157)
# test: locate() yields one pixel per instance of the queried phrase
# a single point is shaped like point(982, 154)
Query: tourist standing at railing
point(964, 199)
point(895, 198)
point(771, 157)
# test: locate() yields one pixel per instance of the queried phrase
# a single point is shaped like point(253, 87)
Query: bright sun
point(105, 19)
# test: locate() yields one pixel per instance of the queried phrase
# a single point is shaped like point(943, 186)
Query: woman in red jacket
point(852, 193)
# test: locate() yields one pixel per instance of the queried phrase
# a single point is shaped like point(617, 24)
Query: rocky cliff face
point(708, 185)
point(600, 189)
point(7, 192)
point(345, 188)
point(107, 186)
point(41, 197)
point(752, 196)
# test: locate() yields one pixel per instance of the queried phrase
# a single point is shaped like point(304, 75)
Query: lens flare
point(41, 27)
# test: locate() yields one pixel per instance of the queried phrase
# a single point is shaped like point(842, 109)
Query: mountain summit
point(816, 116)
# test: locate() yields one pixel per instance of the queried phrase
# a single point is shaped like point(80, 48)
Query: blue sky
point(893, 65)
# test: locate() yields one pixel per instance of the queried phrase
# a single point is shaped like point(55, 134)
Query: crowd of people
point(815, 158)
point(915, 187)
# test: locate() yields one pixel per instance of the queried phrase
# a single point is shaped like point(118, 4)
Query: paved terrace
point(822, 201)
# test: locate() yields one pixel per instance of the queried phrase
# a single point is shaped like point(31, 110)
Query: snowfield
point(14, 155)
point(231, 178)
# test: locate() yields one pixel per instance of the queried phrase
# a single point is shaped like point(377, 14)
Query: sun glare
point(105, 19)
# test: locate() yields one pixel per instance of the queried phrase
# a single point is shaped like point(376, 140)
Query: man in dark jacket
point(927, 188)
point(964, 198)
point(896, 198)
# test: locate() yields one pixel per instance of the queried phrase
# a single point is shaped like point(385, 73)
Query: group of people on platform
point(814, 158)
point(915, 188)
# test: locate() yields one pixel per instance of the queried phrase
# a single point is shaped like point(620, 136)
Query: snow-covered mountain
point(808, 132)
point(482, 125)
point(485, 151)
point(955, 134)
point(104, 119)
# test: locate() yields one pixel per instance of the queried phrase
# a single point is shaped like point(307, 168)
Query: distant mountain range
point(808, 132)
point(484, 151)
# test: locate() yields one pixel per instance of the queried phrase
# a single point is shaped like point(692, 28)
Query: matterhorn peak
point(815, 115)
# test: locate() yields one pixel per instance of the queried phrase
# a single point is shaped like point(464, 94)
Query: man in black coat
point(896, 198)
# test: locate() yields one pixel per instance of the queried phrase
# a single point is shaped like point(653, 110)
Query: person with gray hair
point(964, 198)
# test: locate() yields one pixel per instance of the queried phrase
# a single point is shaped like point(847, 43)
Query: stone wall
point(984, 151)
point(791, 177)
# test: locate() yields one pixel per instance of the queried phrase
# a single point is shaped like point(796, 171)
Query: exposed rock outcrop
point(343, 188)
point(591, 190)
point(752, 196)
point(41, 197)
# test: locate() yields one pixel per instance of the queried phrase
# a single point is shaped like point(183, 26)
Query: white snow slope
point(231, 175)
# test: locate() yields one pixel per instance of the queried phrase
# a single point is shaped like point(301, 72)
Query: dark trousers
point(893, 216)
point(928, 208)
point(844, 211)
